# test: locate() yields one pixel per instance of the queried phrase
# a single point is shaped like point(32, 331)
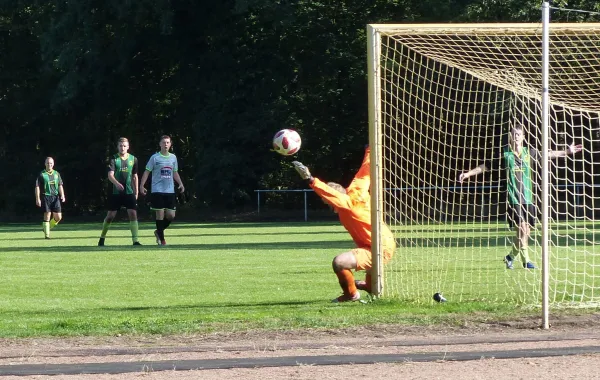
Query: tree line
point(220, 77)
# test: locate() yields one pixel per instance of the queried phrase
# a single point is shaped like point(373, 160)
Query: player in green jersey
point(49, 193)
point(123, 176)
point(517, 159)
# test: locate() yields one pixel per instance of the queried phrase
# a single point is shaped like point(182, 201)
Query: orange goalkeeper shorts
point(364, 256)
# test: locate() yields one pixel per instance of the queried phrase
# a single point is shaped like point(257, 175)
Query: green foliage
point(221, 77)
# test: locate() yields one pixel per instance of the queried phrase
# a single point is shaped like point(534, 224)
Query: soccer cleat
point(101, 242)
point(157, 237)
point(361, 285)
point(47, 237)
point(508, 262)
point(163, 243)
point(137, 243)
point(529, 265)
point(345, 298)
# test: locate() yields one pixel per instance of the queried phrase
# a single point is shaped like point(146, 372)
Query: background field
point(211, 277)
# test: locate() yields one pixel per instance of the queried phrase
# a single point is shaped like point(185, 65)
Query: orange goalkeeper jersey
point(354, 208)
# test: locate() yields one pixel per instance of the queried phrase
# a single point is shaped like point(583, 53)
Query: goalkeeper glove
point(303, 171)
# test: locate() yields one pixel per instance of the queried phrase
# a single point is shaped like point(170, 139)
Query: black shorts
point(50, 203)
point(162, 201)
point(520, 213)
point(116, 201)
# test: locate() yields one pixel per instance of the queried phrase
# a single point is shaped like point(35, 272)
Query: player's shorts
point(520, 213)
point(163, 201)
point(364, 256)
point(116, 201)
point(50, 203)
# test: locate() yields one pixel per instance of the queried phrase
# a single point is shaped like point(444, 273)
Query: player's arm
point(333, 197)
point(61, 189)
point(134, 178)
point(114, 181)
point(38, 201)
point(134, 185)
point(177, 179)
point(362, 179)
point(327, 193)
point(149, 166)
point(143, 181)
point(489, 165)
point(571, 149)
point(61, 193)
point(475, 171)
point(111, 175)
point(176, 176)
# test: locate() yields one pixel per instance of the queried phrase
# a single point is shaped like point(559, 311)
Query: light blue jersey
point(163, 168)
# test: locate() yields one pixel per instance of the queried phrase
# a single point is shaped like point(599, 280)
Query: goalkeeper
point(517, 159)
point(354, 210)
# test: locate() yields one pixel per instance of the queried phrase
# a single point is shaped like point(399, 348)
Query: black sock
point(160, 229)
point(167, 223)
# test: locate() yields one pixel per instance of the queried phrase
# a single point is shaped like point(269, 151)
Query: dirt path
point(468, 352)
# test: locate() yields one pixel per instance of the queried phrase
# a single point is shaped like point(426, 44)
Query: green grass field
point(465, 260)
point(210, 278)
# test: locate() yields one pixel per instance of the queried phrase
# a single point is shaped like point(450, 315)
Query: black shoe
point(137, 243)
point(47, 237)
point(101, 242)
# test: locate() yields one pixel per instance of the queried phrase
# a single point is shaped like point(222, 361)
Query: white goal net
point(444, 99)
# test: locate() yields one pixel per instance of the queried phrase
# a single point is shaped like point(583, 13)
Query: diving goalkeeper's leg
point(342, 266)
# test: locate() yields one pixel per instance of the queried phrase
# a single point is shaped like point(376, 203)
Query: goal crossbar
point(483, 28)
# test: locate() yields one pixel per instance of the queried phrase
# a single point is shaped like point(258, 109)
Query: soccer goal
point(443, 99)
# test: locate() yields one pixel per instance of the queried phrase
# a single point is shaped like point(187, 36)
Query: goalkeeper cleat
point(529, 265)
point(157, 237)
point(137, 243)
point(508, 261)
point(360, 284)
point(101, 242)
point(347, 298)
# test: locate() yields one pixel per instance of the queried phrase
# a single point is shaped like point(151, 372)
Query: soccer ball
point(286, 142)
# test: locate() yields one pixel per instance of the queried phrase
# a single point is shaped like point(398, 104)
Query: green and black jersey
point(48, 182)
point(519, 173)
point(124, 169)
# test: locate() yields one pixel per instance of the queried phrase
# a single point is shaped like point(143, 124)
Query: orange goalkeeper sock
point(346, 280)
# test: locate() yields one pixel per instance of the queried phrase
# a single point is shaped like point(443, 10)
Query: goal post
point(442, 100)
point(377, 214)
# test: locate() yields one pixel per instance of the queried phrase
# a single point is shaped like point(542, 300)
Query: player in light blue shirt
point(164, 168)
